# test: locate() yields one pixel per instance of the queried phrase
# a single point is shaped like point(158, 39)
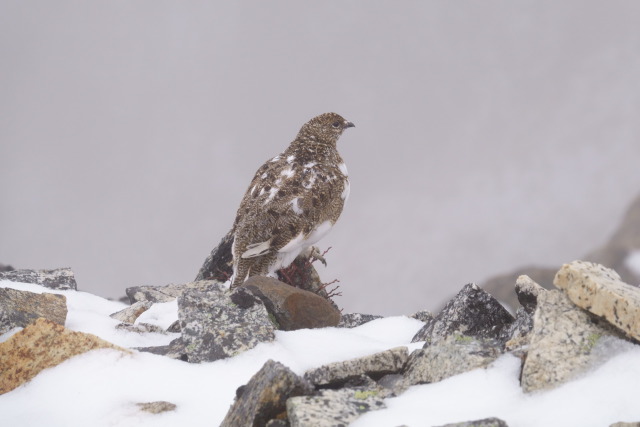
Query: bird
point(293, 200)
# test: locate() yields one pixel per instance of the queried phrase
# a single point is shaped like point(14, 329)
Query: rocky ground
point(554, 333)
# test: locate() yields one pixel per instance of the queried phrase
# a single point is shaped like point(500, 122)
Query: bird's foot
point(316, 255)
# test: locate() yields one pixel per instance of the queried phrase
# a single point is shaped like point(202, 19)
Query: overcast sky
point(489, 135)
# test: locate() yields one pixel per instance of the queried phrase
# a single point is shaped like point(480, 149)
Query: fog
point(489, 135)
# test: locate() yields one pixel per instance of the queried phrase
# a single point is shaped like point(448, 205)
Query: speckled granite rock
point(352, 320)
point(163, 293)
point(61, 279)
point(131, 313)
point(600, 291)
point(20, 308)
point(330, 408)
point(472, 312)
point(42, 345)
point(452, 356)
point(375, 365)
point(217, 323)
point(156, 407)
point(561, 342)
point(265, 395)
point(487, 422)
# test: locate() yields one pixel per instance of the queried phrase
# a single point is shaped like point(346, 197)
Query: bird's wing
point(257, 249)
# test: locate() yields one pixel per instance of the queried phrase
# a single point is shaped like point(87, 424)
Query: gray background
point(489, 134)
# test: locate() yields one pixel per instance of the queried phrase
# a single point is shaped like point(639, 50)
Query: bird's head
point(325, 128)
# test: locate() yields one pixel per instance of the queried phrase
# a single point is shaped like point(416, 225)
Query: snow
point(102, 387)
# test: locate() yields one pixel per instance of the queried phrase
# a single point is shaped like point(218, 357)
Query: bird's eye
point(336, 124)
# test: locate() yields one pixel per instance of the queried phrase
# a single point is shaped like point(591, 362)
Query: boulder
point(131, 313)
point(352, 320)
point(292, 308)
point(264, 397)
point(561, 342)
point(218, 266)
point(375, 366)
point(217, 323)
point(20, 308)
point(165, 293)
point(472, 312)
point(61, 279)
point(330, 408)
point(452, 356)
point(42, 345)
point(600, 291)
point(423, 316)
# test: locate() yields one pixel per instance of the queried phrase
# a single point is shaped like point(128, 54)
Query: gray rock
point(218, 266)
point(131, 313)
point(352, 320)
point(561, 342)
point(375, 366)
point(452, 356)
point(4, 267)
point(600, 291)
point(527, 291)
point(423, 316)
point(516, 336)
point(331, 408)
point(157, 407)
point(20, 308)
point(264, 397)
point(472, 312)
point(501, 286)
point(393, 385)
point(216, 323)
point(141, 328)
point(175, 350)
point(278, 423)
point(61, 279)
point(487, 422)
point(165, 293)
point(293, 308)
point(623, 424)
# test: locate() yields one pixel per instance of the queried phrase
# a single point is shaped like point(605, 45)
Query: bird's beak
point(349, 125)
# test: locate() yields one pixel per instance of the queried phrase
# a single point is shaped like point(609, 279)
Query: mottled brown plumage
point(293, 200)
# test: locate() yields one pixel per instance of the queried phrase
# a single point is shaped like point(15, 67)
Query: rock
point(392, 385)
point(291, 307)
point(452, 356)
point(375, 366)
point(131, 313)
point(20, 308)
point(527, 291)
point(278, 423)
point(472, 312)
point(175, 350)
point(623, 424)
point(217, 323)
point(330, 408)
point(42, 345)
point(423, 316)
point(516, 337)
point(165, 293)
point(561, 342)
point(352, 320)
point(600, 291)
point(141, 328)
point(303, 275)
point(487, 422)
point(501, 286)
point(4, 267)
point(218, 266)
point(157, 407)
point(265, 395)
point(61, 279)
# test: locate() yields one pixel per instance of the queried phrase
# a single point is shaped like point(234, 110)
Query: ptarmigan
point(293, 200)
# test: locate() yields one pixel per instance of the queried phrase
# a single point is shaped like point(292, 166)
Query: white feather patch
point(257, 249)
point(295, 206)
point(288, 172)
point(343, 169)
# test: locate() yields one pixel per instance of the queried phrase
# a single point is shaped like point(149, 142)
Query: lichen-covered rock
point(452, 356)
point(600, 291)
point(423, 316)
point(131, 313)
point(292, 308)
point(157, 407)
point(264, 397)
point(61, 279)
point(527, 291)
point(41, 345)
point(375, 366)
point(165, 293)
point(487, 422)
point(330, 408)
point(561, 342)
point(218, 266)
point(217, 323)
point(20, 308)
point(174, 350)
point(352, 320)
point(141, 328)
point(472, 312)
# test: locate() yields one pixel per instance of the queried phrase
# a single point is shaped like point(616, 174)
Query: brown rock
point(131, 313)
point(291, 307)
point(20, 308)
point(157, 407)
point(42, 345)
